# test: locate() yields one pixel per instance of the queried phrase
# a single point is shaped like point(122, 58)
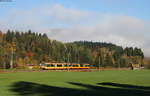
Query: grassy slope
point(12, 84)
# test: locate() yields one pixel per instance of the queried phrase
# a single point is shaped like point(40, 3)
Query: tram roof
point(66, 63)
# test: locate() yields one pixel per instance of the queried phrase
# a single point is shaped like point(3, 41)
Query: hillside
point(22, 48)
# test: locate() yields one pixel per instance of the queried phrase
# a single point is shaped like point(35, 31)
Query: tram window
point(65, 65)
point(59, 65)
point(70, 65)
point(86, 65)
point(81, 65)
point(48, 65)
point(52, 65)
point(75, 65)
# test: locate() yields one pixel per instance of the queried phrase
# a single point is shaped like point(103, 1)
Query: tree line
point(18, 49)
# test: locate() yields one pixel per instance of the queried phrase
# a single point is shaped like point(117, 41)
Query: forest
point(19, 49)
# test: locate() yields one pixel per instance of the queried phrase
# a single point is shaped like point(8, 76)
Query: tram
point(63, 66)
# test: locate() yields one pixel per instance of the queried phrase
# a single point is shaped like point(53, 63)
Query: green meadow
point(103, 83)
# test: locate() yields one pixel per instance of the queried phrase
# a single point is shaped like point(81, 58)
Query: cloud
point(121, 30)
point(66, 15)
point(43, 18)
point(67, 24)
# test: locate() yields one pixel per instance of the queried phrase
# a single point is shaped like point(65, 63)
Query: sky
point(122, 22)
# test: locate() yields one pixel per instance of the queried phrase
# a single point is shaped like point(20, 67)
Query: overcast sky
point(123, 22)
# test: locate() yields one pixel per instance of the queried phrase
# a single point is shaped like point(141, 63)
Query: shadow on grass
point(30, 89)
point(126, 86)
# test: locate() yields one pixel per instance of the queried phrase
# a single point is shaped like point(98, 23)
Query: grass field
point(103, 83)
